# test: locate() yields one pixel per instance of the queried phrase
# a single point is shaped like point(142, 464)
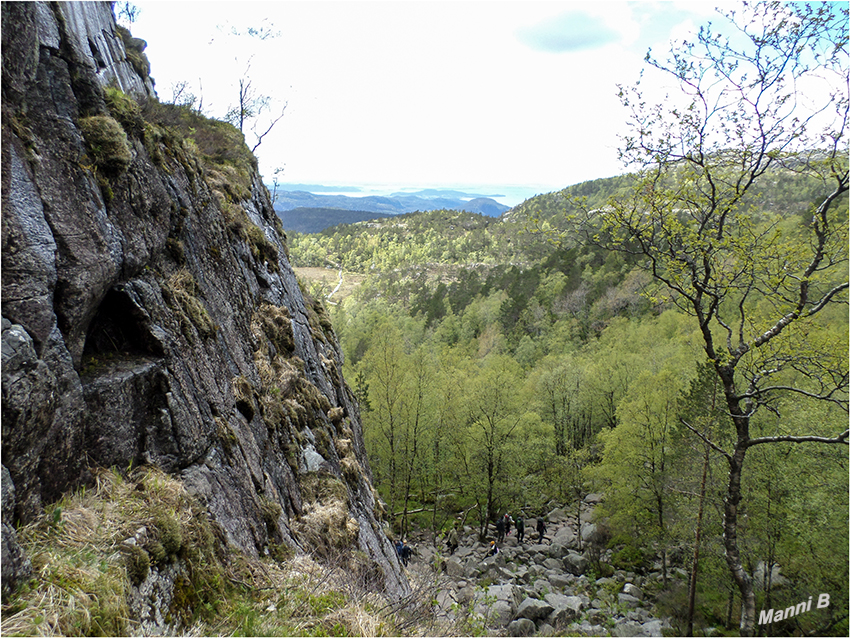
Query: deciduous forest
point(674, 338)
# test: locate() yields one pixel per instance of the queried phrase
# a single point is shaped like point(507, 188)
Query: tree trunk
point(730, 541)
point(692, 586)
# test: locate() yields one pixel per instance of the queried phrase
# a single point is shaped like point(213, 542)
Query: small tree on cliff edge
point(773, 94)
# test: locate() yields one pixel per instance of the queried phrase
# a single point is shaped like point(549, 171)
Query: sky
point(476, 94)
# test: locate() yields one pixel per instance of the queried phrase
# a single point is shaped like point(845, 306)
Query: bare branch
point(260, 136)
point(712, 445)
point(827, 298)
point(787, 388)
point(841, 438)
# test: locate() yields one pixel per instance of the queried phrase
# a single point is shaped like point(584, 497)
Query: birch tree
point(765, 95)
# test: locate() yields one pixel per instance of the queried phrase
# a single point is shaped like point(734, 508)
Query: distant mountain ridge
point(395, 204)
point(315, 220)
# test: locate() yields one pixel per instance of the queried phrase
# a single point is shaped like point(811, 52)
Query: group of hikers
point(503, 529)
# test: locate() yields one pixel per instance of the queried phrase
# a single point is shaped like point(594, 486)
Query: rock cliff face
point(150, 314)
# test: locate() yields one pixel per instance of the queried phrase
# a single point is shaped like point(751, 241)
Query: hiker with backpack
point(541, 529)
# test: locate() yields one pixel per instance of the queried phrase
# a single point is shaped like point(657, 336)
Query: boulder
point(596, 615)
point(520, 573)
point(564, 608)
point(627, 628)
point(589, 533)
point(633, 590)
point(521, 627)
point(465, 594)
point(454, 568)
point(536, 571)
point(628, 601)
point(575, 564)
point(552, 564)
point(575, 603)
point(560, 580)
point(557, 515)
point(498, 574)
point(540, 587)
point(462, 552)
point(534, 609)
point(587, 629)
point(605, 580)
point(499, 614)
point(445, 600)
point(505, 592)
point(565, 537)
point(777, 580)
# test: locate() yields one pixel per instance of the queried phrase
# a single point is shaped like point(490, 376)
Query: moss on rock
point(107, 144)
point(137, 562)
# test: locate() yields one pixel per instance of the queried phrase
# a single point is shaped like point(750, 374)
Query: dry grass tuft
point(81, 584)
point(183, 293)
point(81, 579)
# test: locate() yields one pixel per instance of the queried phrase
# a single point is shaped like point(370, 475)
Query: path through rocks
point(538, 588)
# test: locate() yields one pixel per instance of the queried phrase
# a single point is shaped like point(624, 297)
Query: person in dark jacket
point(500, 529)
point(520, 529)
point(452, 540)
point(406, 552)
point(541, 529)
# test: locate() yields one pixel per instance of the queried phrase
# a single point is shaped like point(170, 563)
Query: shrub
point(107, 144)
point(629, 558)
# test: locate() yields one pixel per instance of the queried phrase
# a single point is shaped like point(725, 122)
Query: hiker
point(399, 549)
point(494, 549)
point(508, 521)
point(520, 529)
point(541, 529)
point(405, 553)
point(452, 540)
point(500, 529)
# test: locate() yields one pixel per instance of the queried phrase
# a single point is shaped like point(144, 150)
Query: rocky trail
point(540, 588)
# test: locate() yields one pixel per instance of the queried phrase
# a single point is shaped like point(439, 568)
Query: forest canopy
point(674, 338)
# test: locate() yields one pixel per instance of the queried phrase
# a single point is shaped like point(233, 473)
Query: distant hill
point(315, 220)
point(395, 204)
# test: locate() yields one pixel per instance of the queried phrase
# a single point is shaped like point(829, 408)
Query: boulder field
point(539, 587)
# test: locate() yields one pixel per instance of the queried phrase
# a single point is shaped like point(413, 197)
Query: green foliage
point(605, 366)
point(125, 110)
point(629, 558)
point(220, 144)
